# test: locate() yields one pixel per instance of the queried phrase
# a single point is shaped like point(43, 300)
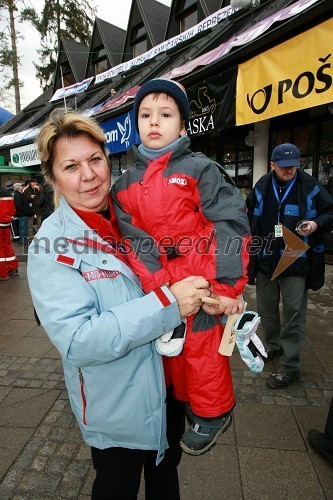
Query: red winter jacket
point(182, 218)
point(7, 207)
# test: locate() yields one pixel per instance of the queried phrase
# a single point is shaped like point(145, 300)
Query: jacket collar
point(73, 228)
point(183, 147)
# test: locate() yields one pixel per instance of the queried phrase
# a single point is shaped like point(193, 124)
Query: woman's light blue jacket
point(93, 310)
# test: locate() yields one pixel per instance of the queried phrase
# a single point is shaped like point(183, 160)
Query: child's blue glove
point(248, 343)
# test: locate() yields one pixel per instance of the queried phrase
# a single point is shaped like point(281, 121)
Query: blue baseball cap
point(286, 155)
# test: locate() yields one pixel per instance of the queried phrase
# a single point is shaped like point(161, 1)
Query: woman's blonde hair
point(62, 123)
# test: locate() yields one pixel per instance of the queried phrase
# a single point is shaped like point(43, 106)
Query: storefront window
point(211, 150)
point(325, 171)
point(100, 60)
point(304, 140)
point(303, 137)
point(307, 164)
point(233, 155)
point(280, 136)
point(67, 74)
point(188, 15)
point(139, 40)
point(237, 160)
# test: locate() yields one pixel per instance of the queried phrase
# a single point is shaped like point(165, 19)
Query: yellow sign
point(294, 75)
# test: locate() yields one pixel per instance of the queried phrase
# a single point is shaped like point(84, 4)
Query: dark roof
point(155, 17)
point(26, 118)
point(210, 6)
point(113, 39)
point(204, 9)
point(77, 55)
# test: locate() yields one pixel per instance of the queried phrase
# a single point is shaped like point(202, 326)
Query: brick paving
point(264, 455)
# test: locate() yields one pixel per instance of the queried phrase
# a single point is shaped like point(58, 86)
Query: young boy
point(182, 218)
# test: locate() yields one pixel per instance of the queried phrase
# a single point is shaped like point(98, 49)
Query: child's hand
point(240, 304)
point(226, 305)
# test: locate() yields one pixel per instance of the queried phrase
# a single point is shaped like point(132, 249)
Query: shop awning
point(292, 76)
point(7, 169)
point(5, 115)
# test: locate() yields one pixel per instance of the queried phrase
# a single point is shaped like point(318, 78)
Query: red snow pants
point(200, 374)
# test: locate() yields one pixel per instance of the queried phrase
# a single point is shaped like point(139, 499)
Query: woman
point(92, 308)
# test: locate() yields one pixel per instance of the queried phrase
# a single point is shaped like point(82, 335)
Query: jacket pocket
point(83, 396)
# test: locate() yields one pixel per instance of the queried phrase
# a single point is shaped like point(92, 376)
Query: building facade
point(249, 83)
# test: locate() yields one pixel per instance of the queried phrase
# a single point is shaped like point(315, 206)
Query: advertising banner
point(77, 88)
point(208, 23)
point(120, 132)
point(212, 103)
point(294, 75)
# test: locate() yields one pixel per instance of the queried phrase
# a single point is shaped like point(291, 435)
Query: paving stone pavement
point(264, 455)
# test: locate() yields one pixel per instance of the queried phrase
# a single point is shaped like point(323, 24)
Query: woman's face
point(81, 173)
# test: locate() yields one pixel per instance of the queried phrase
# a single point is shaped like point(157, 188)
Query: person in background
point(91, 305)
point(287, 198)
point(322, 442)
point(32, 192)
point(8, 260)
point(10, 187)
point(169, 205)
point(45, 203)
point(23, 211)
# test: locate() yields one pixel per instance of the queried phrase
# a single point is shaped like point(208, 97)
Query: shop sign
point(212, 104)
point(285, 80)
point(77, 88)
point(24, 156)
point(120, 132)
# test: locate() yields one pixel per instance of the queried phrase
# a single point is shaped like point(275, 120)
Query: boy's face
point(159, 121)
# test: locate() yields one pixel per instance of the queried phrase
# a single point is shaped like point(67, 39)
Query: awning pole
point(63, 86)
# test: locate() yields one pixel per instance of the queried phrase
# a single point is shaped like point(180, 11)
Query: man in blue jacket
point(285, 199)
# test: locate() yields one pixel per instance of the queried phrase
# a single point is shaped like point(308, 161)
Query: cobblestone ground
point(55, 463)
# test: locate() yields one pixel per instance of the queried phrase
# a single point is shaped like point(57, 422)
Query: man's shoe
point(322, 444)
point(203, 434)
point(272, 354)
point(4, 279)
point(13, 273)
point(280, 380)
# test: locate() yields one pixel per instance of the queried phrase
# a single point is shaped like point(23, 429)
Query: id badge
point(278, 231)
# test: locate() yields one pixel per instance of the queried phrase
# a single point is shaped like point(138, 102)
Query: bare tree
point(9, 59)
point(72, 19)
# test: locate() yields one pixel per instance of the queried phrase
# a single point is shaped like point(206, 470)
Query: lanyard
point(275, 188)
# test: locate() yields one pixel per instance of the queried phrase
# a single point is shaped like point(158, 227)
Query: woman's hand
point(189, 293)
